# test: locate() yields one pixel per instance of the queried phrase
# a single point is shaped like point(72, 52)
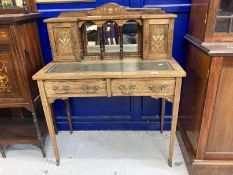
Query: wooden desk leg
point(175, 110)
point(162, 114)
point(49, 119)
point(69, 115)
point(54, 121)
point(2, 149)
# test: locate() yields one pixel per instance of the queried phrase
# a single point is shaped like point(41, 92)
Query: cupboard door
point(9, 85)
point(220, 141)
point(158, 38)
point(64, 41)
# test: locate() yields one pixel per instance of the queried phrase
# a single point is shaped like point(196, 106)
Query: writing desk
point(156, 78)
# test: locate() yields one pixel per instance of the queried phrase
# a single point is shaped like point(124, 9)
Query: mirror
point(130, 36)
point(9, 4)
point(92, 39)
point(111, 37)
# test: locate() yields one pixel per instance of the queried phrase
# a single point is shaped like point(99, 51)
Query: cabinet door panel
point(63, 39)
point(158, 38)
point(8, 80)
point(220, 142)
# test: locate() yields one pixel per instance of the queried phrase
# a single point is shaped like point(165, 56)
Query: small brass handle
point(90, 89)
point(127, 90)
point(63, 90)
point(157, 88)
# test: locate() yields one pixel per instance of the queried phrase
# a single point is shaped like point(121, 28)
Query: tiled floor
point(98, 153)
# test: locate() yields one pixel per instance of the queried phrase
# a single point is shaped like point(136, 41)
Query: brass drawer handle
point(63, 90)
point(157, 88)
point(127, 90)
point(90, 89)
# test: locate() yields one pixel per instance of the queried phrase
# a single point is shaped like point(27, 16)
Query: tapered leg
point(162, 114)
point(54, 121)
point(49, 120)
point(69, 115)
point(2, 149)
point(175, 110)
point(38, 133)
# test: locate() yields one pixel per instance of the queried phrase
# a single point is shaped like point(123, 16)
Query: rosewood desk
point(155, 78)
point(111, 51)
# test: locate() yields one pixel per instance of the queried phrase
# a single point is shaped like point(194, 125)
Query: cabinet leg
point(54, 121)
point(162, 114)
point(2, 149)
point(38, 133)
point(175, 110)
point(69, 115)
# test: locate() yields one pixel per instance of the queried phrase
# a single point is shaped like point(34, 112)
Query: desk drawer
point(81, 88)
point(145, 87)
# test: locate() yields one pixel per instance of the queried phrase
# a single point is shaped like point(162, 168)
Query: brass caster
point(58, 162)
point(169, 163)
point(71, 131)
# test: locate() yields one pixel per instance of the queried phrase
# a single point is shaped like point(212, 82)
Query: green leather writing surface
point(111, 67)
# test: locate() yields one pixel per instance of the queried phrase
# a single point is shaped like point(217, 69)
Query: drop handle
point(63, 90)
point(157, 88)
point(127, 90)
point(90, 89)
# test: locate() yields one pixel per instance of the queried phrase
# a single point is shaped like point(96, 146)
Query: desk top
point(111, 69)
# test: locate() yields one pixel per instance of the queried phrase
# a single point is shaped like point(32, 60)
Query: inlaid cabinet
point(20, 58)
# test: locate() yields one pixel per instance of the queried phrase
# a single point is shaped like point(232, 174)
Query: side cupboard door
point(64, 41)
point(157, 38)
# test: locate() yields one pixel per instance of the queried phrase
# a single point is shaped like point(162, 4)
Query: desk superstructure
point(111, 51)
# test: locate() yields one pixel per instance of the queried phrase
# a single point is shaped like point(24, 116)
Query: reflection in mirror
point(92, 38)
point(111, 37)
point(8, 4)
point(130, 36)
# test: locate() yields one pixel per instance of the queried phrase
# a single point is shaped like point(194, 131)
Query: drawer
point(81, 88)
point(145, 87)
point(5, 34)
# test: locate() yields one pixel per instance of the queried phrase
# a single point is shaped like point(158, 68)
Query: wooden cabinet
point(20, 58)
point(206, 115)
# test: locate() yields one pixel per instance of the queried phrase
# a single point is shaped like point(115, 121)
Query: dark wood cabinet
point(206, 113)
point(20, 58)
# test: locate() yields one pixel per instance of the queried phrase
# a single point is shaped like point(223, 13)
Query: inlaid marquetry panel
point(63, 41)
point(5, 34)
point(159, 39)
point(8, 85)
